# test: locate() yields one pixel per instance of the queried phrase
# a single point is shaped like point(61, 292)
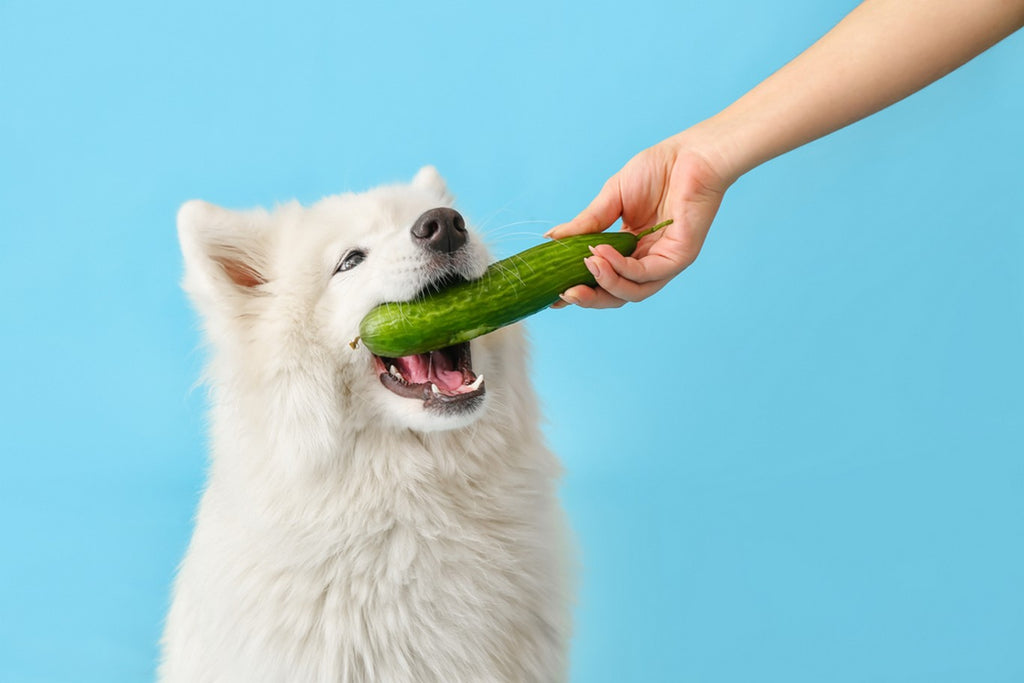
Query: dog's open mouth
point(443, 378)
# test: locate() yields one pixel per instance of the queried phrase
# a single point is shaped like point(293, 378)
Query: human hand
point(670, 180)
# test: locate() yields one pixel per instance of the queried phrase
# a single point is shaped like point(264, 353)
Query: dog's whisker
point(499, 230)
point(497, 212)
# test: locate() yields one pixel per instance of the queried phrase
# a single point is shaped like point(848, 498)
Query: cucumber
point(510, 290)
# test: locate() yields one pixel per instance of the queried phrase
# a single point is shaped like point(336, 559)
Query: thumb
point(604, 210)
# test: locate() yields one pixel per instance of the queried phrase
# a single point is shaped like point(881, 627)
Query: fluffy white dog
point(365, 518)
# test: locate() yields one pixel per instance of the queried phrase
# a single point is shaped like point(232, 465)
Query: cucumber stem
point(648, 231)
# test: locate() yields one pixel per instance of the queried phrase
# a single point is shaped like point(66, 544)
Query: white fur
point(346, 533)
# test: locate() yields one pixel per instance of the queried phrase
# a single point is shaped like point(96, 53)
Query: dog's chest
point(393, 581)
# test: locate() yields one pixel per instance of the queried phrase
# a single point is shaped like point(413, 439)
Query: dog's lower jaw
point(417, 416)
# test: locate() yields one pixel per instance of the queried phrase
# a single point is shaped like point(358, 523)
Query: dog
point(365, 518)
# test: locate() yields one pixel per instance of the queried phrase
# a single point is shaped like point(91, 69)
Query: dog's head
point(283, 292)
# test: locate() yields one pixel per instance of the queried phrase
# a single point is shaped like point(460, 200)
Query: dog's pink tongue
point(441, 372)
point(430, 367)
point(448, 380)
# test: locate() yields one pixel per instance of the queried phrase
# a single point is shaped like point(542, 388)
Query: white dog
point(366, 518)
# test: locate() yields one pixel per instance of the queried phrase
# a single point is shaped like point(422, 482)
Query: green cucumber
point(510, 290)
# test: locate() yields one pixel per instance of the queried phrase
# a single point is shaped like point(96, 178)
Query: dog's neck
point(298, 422)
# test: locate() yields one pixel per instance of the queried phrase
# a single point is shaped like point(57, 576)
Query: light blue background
point(801, 462)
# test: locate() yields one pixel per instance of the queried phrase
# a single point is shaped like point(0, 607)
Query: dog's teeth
point(477, 382)
point(433, 388)
point(394, 371)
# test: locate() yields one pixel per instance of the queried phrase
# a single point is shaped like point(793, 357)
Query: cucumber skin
point(510, 290)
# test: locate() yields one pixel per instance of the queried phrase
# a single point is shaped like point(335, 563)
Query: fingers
point(650, 268)
point(620, 279)
point(589, 297)
point(604, 210)
point(618, 286)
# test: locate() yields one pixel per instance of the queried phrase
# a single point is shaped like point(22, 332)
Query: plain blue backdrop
point(801, 462)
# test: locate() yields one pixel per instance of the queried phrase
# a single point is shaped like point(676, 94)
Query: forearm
point(883, 51)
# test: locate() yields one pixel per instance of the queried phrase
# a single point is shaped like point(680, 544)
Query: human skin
point(881, 52)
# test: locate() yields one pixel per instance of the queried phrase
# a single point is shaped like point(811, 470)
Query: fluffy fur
point(347, 533)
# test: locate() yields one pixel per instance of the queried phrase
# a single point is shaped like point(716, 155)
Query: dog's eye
point(351, 260)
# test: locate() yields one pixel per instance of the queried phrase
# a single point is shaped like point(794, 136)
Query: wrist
point(711, 148)
point(731, 145)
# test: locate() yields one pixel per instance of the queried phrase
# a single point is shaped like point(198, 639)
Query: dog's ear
point(429, 180)
point(225, 252)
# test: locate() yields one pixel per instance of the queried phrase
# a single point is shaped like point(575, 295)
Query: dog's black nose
point(442, 230)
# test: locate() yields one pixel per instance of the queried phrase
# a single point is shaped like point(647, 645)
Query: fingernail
point(593, 267)
point(568, 298)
